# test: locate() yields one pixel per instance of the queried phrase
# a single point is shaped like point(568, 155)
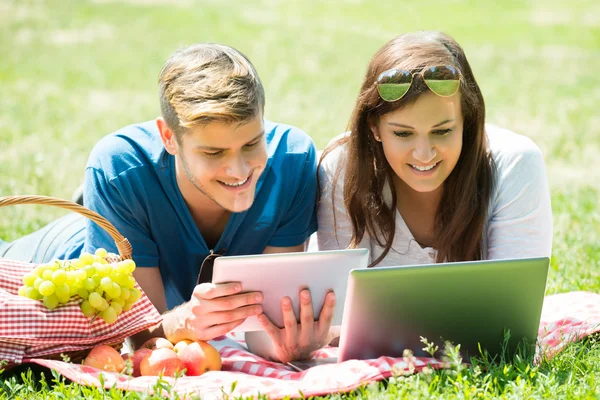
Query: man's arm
point(213, 310)
point(151, 283)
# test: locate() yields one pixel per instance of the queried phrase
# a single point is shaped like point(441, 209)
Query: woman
point(420, 178)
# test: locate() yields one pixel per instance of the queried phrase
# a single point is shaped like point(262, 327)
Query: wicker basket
point(122, 244)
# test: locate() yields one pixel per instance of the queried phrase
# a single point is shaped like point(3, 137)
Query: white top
point(519, 221)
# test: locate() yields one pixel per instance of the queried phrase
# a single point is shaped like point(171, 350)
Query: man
point(209, 177)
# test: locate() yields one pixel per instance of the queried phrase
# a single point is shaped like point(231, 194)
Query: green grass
point(72, 71)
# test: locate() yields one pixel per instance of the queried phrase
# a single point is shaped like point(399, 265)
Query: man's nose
point(238, 168)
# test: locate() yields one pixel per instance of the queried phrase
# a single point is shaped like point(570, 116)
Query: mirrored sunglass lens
point(443, 81)
point(392, 91)
point(441, 73)
point(394, 76)
point(443, 88)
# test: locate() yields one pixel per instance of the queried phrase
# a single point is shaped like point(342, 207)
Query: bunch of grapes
point(107, 289)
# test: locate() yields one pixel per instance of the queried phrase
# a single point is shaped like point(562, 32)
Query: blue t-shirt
point(130, 180)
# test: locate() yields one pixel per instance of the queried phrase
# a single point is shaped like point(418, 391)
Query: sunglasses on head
point(442, 80)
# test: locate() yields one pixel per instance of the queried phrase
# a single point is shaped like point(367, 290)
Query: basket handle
point(123, 245)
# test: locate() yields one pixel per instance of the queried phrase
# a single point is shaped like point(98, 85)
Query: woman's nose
point(424, 151)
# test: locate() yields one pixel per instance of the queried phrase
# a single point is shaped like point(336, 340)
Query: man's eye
point(250, 145)
point(213, 154)
point(442, 132)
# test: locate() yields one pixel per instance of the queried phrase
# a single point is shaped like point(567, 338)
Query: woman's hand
point(214, 310)
point(298, 341)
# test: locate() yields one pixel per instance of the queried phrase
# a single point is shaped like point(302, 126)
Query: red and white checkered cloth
point(29, 330)
point(565, 318)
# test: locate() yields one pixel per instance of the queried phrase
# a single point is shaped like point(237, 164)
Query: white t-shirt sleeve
point(334, 234)
point(520, 220)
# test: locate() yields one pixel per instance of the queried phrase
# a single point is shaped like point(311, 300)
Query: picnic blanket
point(566, 318)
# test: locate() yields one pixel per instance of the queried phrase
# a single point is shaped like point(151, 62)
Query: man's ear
point(167, 136)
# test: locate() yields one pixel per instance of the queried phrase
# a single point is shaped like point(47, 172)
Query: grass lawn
point(72, 71)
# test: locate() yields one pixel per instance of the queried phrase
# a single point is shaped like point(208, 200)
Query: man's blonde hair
point(208, 82)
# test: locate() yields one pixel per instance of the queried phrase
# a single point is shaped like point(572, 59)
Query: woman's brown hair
point(461, 215)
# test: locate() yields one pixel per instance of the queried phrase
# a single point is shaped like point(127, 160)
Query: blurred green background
point(74, 71)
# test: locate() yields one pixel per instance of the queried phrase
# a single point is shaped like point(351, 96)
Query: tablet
point(286, 274)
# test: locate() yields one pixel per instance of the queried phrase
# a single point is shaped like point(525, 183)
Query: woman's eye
point(442, 132)
point(402, 133)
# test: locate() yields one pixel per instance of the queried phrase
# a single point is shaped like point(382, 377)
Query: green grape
point(89, 284)
point(95, 300)
point(59, 276)
point(125, 293)
point(62, 291)
point(37, 272)
point(120, 302)
point(71, 278)
point(103, 270)
point(29, 278)
point(101, 260)
point(104, 305)
point(37, 282)
point(130, 282)
point(86, 258)
point(128, 266)
point(80, 275)
point(121, 279)
point(106, 283)
point(117, 307)
point(47, 275)
point(51, 302)
point(90, 270)
point(87, 309)
point(119, 269)
point(77, 264)
point(22, 291)
point(109, 315)
point(127, 306)
point(114, 291)
point(63, 299)
point(135, 295)
point(100, 252)
point(33, 293)
point(46, 288)
point(84, 294)
point(72, 290)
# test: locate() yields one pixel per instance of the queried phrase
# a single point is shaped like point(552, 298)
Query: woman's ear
point(167, 136)
point(375, 131)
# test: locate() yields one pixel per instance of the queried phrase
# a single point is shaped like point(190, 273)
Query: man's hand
point(214, 310)
point(298, 341)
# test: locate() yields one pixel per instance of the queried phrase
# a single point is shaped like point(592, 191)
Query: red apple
point(136, 359)
point(157, 343)
point(163, 361)
point(198, 357)
point(105, 358)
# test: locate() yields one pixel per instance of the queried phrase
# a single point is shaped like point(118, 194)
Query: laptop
point(286, 274)
point(389, 309)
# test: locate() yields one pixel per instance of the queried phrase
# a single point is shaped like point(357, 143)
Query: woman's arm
point(520, 224)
